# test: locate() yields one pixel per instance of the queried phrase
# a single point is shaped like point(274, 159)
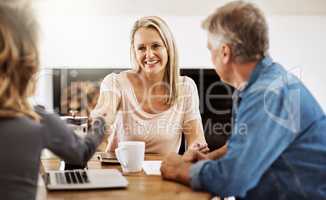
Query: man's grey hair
point(243, 27)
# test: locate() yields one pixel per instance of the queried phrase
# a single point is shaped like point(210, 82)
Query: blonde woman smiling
point(151, 102)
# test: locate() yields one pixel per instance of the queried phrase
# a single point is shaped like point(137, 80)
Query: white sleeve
point(191, 100)
point(109, 99)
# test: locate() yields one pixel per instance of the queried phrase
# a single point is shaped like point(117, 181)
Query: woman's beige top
point(129, 122)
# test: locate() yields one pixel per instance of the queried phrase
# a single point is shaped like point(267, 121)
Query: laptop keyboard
point(72, 177)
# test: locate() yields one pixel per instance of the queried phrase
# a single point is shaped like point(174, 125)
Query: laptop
point(82, 179)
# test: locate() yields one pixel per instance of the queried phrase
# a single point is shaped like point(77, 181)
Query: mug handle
point(120, 157)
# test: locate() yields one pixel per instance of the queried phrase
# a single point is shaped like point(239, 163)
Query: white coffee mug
point(131, 155)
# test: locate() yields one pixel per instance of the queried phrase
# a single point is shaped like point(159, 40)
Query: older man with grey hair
point(277, 149)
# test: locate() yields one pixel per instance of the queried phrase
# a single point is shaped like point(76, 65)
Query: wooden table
point(140, 186)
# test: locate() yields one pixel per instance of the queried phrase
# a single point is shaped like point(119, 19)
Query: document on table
point(152, 167)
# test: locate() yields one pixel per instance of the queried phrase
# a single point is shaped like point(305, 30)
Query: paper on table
point(152, 167)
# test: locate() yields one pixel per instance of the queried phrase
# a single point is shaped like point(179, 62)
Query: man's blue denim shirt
point(277, 149)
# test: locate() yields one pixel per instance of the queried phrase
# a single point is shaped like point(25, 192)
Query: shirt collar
point(260, 67)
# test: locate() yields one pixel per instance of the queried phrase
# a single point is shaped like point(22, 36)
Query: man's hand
point(174, 168)
point(194, 156)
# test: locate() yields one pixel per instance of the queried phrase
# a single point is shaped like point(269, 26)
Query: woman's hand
point(193, 156)
point(199, 146)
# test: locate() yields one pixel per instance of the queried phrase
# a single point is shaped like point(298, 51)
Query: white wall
point(103, 41)
point(298, 42)
point(170, 7)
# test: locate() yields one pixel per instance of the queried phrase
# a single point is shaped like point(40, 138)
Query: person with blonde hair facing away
point(24, 131)
point(277, 149)
point(151, 102)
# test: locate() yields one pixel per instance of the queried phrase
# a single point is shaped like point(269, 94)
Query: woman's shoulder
point(114, 79)
point(113, 76)
point(19, 124)
point(187, 83)
point(119, 76)
point(131, 74)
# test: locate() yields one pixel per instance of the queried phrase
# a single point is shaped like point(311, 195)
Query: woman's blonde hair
point(172, 73)
point(18, 59)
